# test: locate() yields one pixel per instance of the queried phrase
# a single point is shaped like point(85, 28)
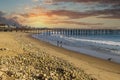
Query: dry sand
point(8, 45)
point(98, 68)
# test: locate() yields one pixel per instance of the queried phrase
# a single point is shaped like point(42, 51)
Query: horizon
point(61, 13)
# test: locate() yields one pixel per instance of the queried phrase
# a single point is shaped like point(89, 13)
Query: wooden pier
point(75, 32)
point(69, 31)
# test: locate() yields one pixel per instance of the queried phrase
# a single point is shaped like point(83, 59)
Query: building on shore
point(5, 27)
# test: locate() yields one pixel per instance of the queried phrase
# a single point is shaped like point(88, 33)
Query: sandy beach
point(26, 58)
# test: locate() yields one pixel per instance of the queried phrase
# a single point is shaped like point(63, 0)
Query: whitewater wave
point(95, 41)
point(99, 46)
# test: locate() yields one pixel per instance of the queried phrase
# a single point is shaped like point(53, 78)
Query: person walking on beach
point(57, 43)
point(60, 43)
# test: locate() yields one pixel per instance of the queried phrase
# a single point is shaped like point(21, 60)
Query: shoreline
point(95, 50)
point(65, 49)
point(34, 50)
point(99, 65)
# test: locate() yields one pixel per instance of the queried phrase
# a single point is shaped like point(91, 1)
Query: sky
point(61, 13)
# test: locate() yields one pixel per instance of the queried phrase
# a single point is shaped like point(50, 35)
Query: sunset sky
point(61, 13)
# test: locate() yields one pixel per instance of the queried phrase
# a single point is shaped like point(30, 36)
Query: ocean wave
point(106, 42)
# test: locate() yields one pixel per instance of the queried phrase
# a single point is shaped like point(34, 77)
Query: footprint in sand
point(3, 49)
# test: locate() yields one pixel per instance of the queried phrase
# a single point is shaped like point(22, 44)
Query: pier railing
point(68, 31)
point(75, 32)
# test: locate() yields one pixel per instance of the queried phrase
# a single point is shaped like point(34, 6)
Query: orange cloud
point(72, 22)
point(68, 14)
point(41, 15)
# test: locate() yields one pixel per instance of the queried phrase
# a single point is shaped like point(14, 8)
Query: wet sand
point(99, 68)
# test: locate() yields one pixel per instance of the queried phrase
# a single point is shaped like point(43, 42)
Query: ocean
point(101, 46)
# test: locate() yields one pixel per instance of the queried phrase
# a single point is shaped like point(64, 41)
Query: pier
point(75, 32)
point(65, 31)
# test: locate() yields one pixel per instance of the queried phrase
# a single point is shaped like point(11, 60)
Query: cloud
point(41, 14)
point(9, 21)
point(35, 0)
point(60, 13)
point(26, 7)
point(86, 1)
point(48, 2)
point(72, 22)
point(2, 13)
point(67, 14)
point(107, 2)
point(58, 16)
point(108, 13)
